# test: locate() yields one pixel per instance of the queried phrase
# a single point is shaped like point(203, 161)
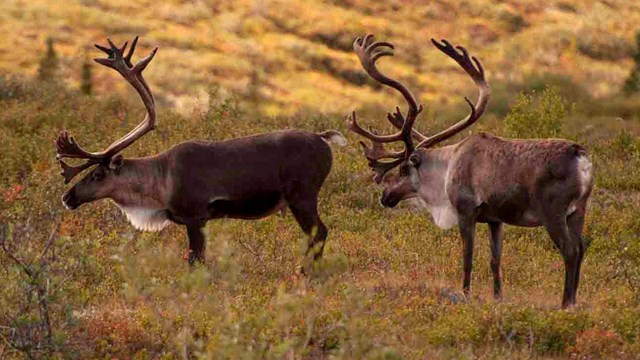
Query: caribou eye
point(98, 175)
point(414, 159)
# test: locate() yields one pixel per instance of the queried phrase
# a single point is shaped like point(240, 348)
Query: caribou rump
point(195, 181)
point(483, 178)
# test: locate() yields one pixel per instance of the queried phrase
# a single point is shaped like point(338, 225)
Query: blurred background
point(295, 55)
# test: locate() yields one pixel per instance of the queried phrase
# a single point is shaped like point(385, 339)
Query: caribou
point(196, 181)
point(483, 178)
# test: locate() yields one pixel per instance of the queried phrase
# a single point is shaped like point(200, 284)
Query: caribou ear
point(414, 159)
point(116, 162)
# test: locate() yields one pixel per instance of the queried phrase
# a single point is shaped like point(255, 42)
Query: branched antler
point(473, 67)
point(377, 152)
point(369, 52)
point(67, 147)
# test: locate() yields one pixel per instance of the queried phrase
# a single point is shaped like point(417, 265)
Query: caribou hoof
point(192, 257)
point(301, 269)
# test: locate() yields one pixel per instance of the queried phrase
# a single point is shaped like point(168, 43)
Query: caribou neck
point(143, 183)
point(433, 172)
point(432, 177)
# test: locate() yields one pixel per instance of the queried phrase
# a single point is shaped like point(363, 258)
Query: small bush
point(48, 69)
point(597, 344)
point(533, 117)
point(601, 45)
point(632, 84)
point(513, 21)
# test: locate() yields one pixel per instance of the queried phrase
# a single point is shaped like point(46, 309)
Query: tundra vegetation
point(87, 285)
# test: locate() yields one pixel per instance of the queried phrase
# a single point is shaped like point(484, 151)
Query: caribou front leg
point(496, 252)
point(467, 227)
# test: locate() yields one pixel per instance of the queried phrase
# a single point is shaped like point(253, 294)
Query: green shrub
point(603, 45)
point(632, 84)
point(48, 69)
point(86, 77)
point(380, 292)
point(537, 117)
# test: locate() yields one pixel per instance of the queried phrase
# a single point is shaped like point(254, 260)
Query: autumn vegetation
point(85, 284)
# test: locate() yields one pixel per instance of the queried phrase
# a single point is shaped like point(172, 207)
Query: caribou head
point(405, 184)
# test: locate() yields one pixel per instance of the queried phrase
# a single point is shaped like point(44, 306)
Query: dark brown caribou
point(483, 178)
point(195, 181)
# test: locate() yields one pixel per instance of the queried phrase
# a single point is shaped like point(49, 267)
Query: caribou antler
point(67, 147)
point(369, 52)
point(377, 152)
point(473, 67)
point(365, 48)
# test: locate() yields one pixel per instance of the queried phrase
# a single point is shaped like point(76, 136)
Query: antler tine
point(139, 67)
point(106, 50)
point(381, 168)
point(397, 119)
point(370, 50)
point(67, 147)
point(473, 67)
point(127, 58)
point(377, 150)
point(133, 75)
point(69, 172)
point(354, 126)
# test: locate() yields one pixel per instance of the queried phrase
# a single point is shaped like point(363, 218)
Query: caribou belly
point(146, 219)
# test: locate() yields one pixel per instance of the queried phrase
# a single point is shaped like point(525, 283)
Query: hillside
point(297, 54)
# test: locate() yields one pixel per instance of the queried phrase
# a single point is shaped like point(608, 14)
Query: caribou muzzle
point(390, 199)
point(70, 200)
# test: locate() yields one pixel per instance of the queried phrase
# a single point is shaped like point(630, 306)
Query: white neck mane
point(433, 189)
point(146, 219)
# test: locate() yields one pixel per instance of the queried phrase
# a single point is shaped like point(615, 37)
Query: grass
point(388, 287)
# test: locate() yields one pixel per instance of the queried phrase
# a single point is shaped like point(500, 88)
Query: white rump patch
point(585, 174)
point(335, 137)
point(145, 219)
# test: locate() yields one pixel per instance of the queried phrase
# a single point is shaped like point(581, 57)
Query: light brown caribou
point(194, 181)
point(483, 178)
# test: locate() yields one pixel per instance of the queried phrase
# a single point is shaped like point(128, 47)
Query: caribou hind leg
point(305, 210)
point(196, 243)
point(571, 253)
point(306, 214)
point(575, 222)
point(495, 237)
